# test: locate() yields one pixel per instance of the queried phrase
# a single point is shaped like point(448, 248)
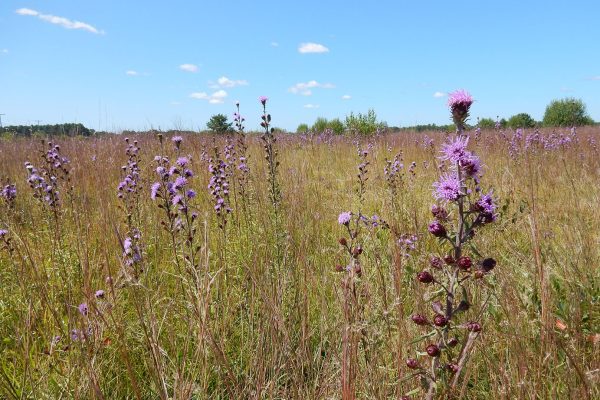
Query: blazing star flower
point(455, 150)
point(263, 100)
point(180, 182)
point(3, 232)
point(486, 203)
point(344, 218)
point(448, 188)
point(182, 161)
point(99, 294)
point(460, 100)
point(154, 190)
point(190, 194)
point(471, 164)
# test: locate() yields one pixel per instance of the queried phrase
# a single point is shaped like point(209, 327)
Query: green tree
point(364, 124)
point(487, 123)
point(218, 124)
point(567, 112)
point(320, 125)
point(336, 126)
point(302, 128)
point(521, 120)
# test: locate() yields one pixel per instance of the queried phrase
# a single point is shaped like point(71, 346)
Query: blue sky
point(134, 65)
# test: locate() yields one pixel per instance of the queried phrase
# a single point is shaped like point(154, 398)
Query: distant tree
point(567, 112)
point(302, 128)
point(521, 120)
point(364, 124)
point(336, 126)
point(218, 124)
point(487, 123)
point(320, 125)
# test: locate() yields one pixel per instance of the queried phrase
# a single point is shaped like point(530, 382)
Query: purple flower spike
point(154, 190)
point(455, 150)
point(83, 309)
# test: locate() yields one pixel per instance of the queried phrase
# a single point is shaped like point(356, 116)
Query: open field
point(250, 304)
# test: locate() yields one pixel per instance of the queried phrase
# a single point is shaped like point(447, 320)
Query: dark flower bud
point(479, 274)
point(357, 251)
point(464, 263)
point(439, 213)
point(436, 262)
point(488, 264)
point(452, 367)
point(419, 319)
point(432, 350)
point(437, 229)
point(449, 260)
point(343, 242)
point(452, 342)
point(412, 363)
point(440, 320)
point(339, 268)
point(358, 270)
point(474, 326)
point(425, 277)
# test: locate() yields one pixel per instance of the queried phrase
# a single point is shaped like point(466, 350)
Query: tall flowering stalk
point(269, 140)
point(243, 174)
point(451, 277)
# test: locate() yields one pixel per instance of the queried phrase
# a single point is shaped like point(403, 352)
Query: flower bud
point(437, 229)
point(452, 342)
point(449, 260)
point(452, 367)
point(439, 213)
point(473, 326)
point(425, 277)
point(343, 242)
point(488, 264)
point(419, 319)
point(412, 363)
point(464, 263)
point(440, 320)
point(432, 350)
point(436, 262)
point(339, 268)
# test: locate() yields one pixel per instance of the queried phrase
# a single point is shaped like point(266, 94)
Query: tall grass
point(254, 307)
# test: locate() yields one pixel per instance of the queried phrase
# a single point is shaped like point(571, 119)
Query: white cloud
point(274, 44)
point(131, 73)
point(311, 106)
point(4, 51)
point(305, 48)
point(346, 97)
point(437, 95)
point(62, 21)
point(305, 88)
point(595, 78)
point(225, 82)
point(188, 67)
point(217, 97)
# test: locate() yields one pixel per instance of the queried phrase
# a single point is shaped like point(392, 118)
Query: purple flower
point(177, 140)
point(190, 194)
point(180, 182)
point(460, 99)
point(344, 218)
point(154, 190)
point(455, 150)
point(127, 245)
point(471, 164)
point(75, 335)
point(263, 100)
point(99, 294)
point(83, 309)
point(437, 229)
point(486, 204)
point(182, 161)
point(448, 188)
point(177, 199)
point(3, 232)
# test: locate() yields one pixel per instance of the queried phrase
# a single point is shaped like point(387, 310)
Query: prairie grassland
point(254, 308)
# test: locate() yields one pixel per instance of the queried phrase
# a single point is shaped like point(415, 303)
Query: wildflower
point(412, 363)
point(448, 188)
point(154, 190)
point(182, 161)
point(464, 263)
point(3, 232)
point(452, 342)
point(471, 164)
point(180, 182)
point(473, 326)
point(455, 150)
point(439, 213)
point(75, 333)
point(177, 140)
point(263, 100)
point(99, 294)
point(190, 194)
point(440, 320)
point(83, 309)
point(344, 218)
point(436, 262)
point(460, 102)
point(452, 367)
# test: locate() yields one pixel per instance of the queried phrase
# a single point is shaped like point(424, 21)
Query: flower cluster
point(219, 186)
point(460, 102)
point(130, 185)
point(46, 180)
point(9, 194)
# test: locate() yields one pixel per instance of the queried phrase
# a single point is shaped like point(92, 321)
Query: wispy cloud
point(274, 44)
point(217, 97)
point(594, 78)
point(346, 97)
point(4, 51)
point(62, 21)
point(304, 88)
point(188, 67)
point(131, 73)
point(311, 106)
point(437, 95)
point(225, 82)
point(305, 48)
